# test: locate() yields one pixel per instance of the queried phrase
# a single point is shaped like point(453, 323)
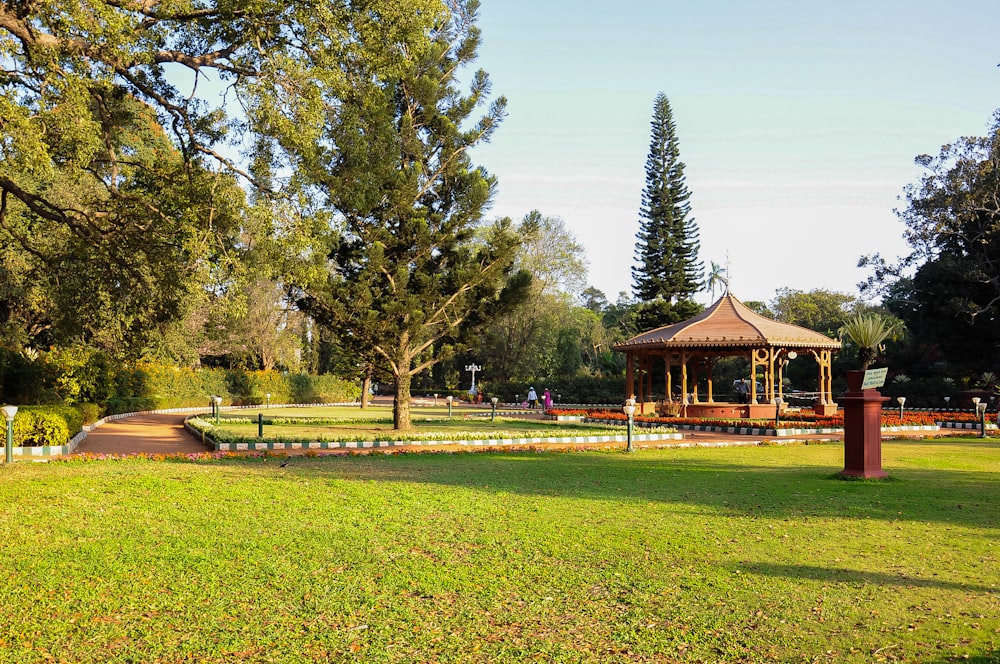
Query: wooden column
point(629, 375)
point(710, 366)
point(684, 381)
point(667, 378)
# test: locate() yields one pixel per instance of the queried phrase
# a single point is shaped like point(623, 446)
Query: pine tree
point(666, 249)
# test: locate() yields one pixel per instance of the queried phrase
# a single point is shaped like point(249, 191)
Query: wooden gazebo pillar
point(629, 374)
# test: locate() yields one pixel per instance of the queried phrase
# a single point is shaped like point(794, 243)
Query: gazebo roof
point(728, 324)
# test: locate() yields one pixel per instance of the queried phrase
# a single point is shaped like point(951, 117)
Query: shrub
point(91, 412)
point(36, 426)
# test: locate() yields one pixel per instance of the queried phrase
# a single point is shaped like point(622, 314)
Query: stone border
point(388, 444)
point(759, 431)
point(966, 425)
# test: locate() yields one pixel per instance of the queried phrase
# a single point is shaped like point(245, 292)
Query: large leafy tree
point(109, 221)
point(947, 289)
point(395, 259)
point(822, 310)
point(520, 344)
point(667, 268)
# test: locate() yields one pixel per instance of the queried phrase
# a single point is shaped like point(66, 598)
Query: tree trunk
point(366, 385)
point(401, 403)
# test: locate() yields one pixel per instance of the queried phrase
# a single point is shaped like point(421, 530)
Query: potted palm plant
point(867, 333)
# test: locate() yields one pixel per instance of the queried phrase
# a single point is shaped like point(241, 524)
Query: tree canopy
point(947, 289)
point(396, 260)
point(666, 252)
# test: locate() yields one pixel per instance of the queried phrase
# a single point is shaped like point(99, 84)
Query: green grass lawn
point(375, 423)
point(684, 555)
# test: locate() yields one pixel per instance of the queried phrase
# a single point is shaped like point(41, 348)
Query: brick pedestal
point(862, 429)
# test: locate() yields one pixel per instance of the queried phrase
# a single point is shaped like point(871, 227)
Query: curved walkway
point(147, 433)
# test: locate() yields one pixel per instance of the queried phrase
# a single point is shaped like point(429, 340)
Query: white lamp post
point(901, 401)
point(268, 398)
point(8, 414)
point(450, 399)
point(777, 412)
point(981, 411)
point(493, 413)
point(629, 410)
point(218, 406)
point(473, 368)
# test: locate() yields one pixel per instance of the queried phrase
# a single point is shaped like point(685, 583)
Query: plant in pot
point(867, 333)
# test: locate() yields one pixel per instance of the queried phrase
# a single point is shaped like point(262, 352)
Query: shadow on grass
point(959, 497)
point(841, 575)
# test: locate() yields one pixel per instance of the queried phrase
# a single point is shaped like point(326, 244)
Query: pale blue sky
point(798, 124)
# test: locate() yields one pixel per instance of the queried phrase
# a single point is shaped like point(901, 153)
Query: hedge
point(150, 386)
point(36, 426)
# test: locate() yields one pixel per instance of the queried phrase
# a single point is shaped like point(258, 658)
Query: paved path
point(151, 433)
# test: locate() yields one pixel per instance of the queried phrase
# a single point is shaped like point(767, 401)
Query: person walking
point(532, 398)
point(547, 399)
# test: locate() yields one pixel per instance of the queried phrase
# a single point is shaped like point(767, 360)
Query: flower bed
point(792, 420)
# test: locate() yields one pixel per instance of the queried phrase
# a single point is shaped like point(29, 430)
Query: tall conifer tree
point(667, 270)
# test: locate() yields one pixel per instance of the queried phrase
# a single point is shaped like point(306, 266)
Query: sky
point(798, 122)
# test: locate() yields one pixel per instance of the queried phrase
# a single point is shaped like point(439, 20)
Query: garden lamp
point(218, 406)
point(901, 401)
point(8, 414)
point(268, 398)
point(450, 399)
point(629, 410)
point(981, 412)
point(947, 401)
point(777, 412)
point(493, 412)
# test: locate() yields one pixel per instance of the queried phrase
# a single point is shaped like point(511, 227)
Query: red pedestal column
point(862, 429)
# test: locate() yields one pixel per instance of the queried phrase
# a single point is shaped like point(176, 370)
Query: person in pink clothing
point(547, 399)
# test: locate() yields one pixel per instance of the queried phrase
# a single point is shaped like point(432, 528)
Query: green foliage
point(90, 412)
point(868, 332)
point(155, 387)
point(947, 290)
point(821, 310)
point(36, 426)
point(666, 250)
point(578, 389)
point(395, 259)
point(660, 312)
point(321, 389)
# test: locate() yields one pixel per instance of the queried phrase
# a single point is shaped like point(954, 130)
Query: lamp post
point(947, 402)
point(777, 413)
point(267, 397)
point(8, 414)
point(493, 412)
point(901, 401)
point(981, 411)
point(218, 406)
point(473, 368)
point(629, 410)
point(450, 399)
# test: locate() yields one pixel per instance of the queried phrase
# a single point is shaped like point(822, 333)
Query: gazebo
point(726, 329)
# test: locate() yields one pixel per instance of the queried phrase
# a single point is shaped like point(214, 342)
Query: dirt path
point(151, 433)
